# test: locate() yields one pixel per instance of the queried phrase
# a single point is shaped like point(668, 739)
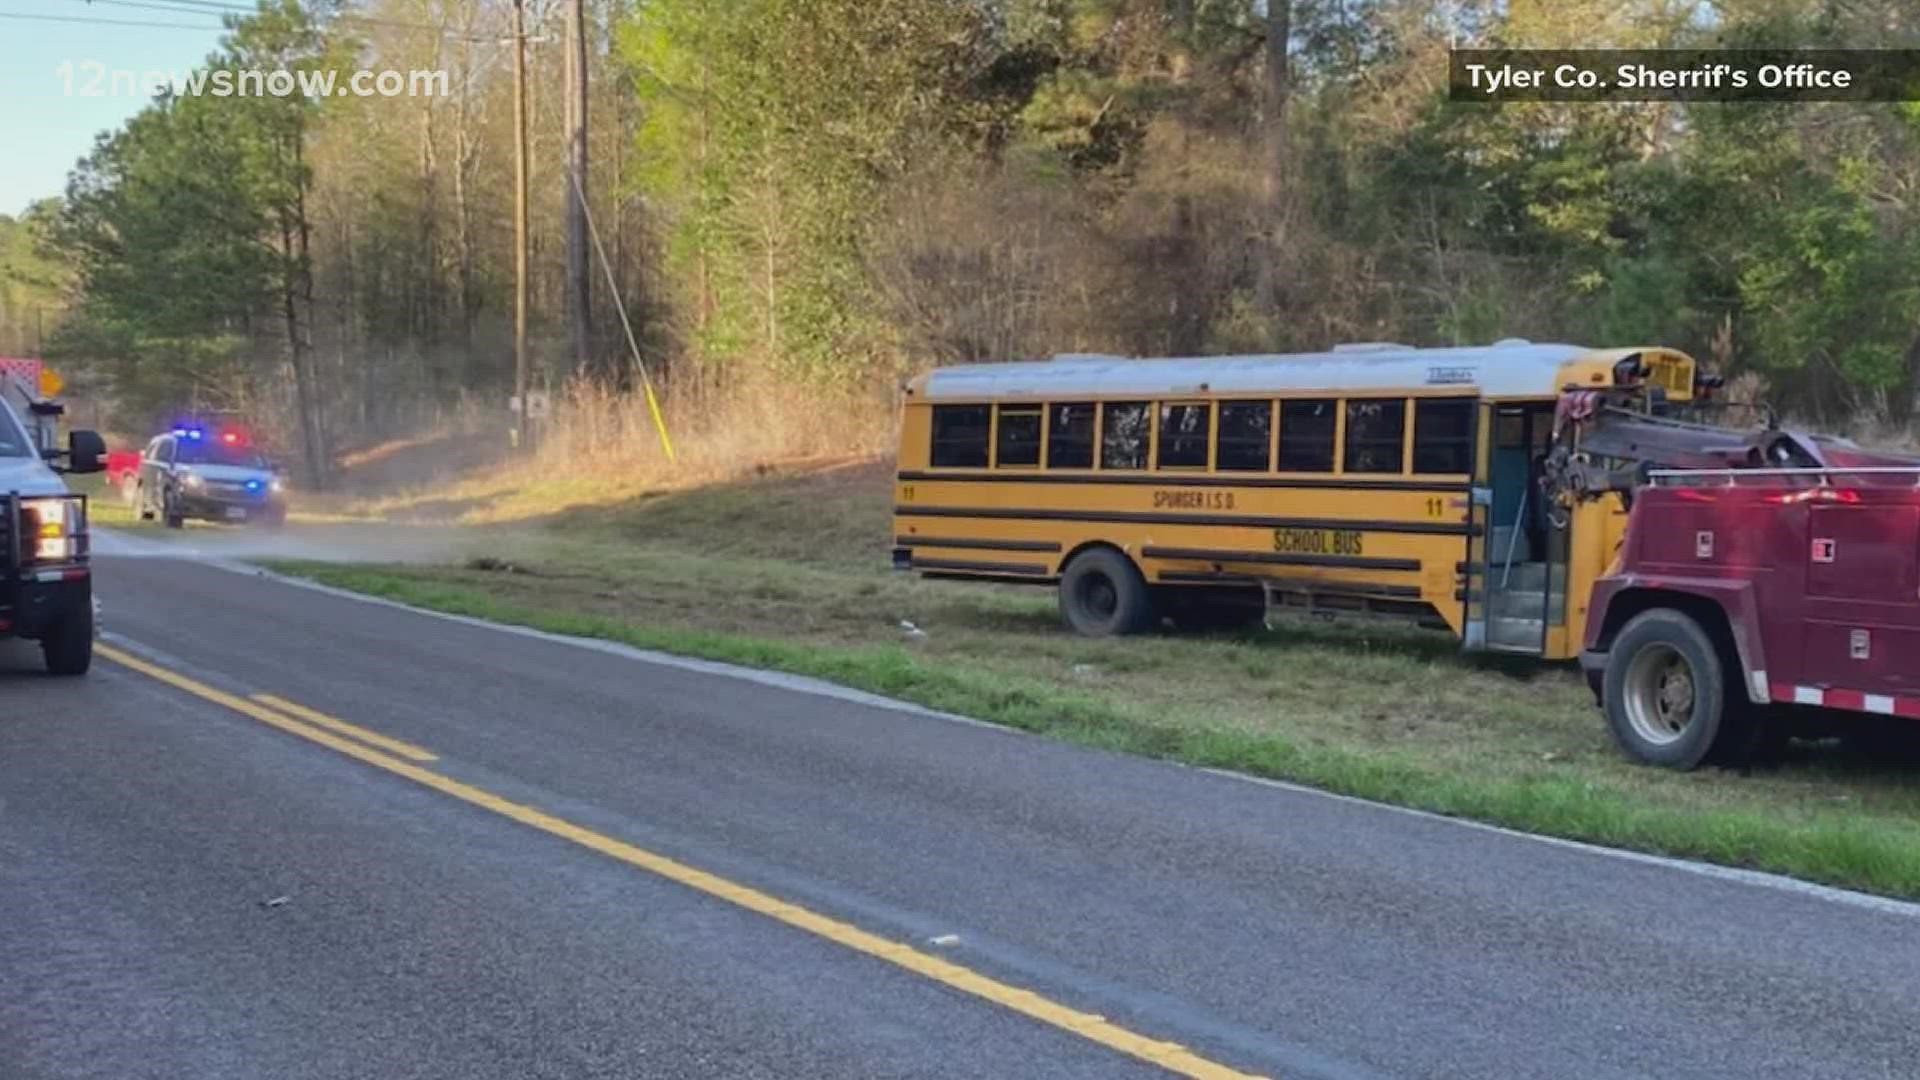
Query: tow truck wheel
point(68, 644)
point(1666, 690)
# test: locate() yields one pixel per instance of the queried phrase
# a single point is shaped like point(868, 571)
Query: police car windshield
point(13, 439)
point(213, 452)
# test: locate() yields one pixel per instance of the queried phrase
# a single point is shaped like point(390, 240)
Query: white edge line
point(822, 688)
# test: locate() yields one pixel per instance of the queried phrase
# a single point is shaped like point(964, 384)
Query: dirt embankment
point(410, 464)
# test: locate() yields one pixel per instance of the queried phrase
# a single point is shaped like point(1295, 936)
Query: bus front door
point(1524, 553)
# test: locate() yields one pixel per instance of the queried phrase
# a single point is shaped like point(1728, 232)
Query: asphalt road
point(599, 866)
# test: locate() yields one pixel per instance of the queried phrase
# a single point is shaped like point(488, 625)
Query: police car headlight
point(192, 480)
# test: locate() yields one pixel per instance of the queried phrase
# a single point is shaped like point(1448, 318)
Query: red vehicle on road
point(1757, 596)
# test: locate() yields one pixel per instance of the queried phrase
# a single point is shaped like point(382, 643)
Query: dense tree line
point(835, 192)
point(31, 283)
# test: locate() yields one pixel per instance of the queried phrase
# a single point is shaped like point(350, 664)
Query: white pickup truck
point(46, 580)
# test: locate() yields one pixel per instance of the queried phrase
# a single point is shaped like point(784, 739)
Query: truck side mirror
point(85, 451)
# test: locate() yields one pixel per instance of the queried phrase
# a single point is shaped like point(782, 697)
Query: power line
point(169, 9)
point(217, 5)
point(212, 7)
point(186, 6)
point(92, 21)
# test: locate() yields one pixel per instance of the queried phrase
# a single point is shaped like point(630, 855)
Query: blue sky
point(43, 129)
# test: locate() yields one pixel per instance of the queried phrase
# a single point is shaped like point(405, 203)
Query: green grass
point(787, 574)
point(105, 505)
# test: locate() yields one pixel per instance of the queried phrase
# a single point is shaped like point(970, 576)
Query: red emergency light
point(232, 436)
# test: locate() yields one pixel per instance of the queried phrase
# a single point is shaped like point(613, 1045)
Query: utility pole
point(520, 220)
point(579, 279)
point(1274, 97)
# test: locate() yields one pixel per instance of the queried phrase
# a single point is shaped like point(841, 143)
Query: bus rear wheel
point(1103, 595)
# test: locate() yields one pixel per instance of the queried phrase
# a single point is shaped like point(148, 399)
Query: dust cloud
point(359, 543)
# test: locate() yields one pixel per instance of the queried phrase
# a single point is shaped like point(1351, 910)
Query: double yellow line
point(405, 759)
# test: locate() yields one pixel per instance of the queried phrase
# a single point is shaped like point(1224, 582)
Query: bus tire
point(1666, 691)
point(1103, 595)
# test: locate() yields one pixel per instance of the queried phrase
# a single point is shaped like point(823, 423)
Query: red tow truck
point(1760, 598)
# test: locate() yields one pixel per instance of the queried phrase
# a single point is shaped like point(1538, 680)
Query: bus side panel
point(932, 532)
point(1385, 542)
point(916, 435)
point(1599, 528)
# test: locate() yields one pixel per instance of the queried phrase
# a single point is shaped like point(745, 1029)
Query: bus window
point(1306, 436)
point(960, 436)
point(1123, 436)
point(1183, 435)
point(1376, 435)
point(1443, 435)
point(1246, 437)
point(1070, 436)
point(1018, 443)
point(1511, 430)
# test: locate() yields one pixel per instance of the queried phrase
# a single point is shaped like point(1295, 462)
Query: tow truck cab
point(1738, 590)
point(46, 580)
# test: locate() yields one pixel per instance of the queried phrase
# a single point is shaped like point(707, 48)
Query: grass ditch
point(786, 573)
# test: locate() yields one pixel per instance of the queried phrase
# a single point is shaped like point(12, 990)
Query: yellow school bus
point(1374, 478)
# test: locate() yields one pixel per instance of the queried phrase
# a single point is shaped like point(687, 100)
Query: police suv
point(46, 582)
point(217, 474)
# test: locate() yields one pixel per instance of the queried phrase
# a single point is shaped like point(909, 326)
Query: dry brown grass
point(601, 448)
point(715, 434)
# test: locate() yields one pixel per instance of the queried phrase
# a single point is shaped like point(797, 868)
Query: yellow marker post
point(659, 422)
